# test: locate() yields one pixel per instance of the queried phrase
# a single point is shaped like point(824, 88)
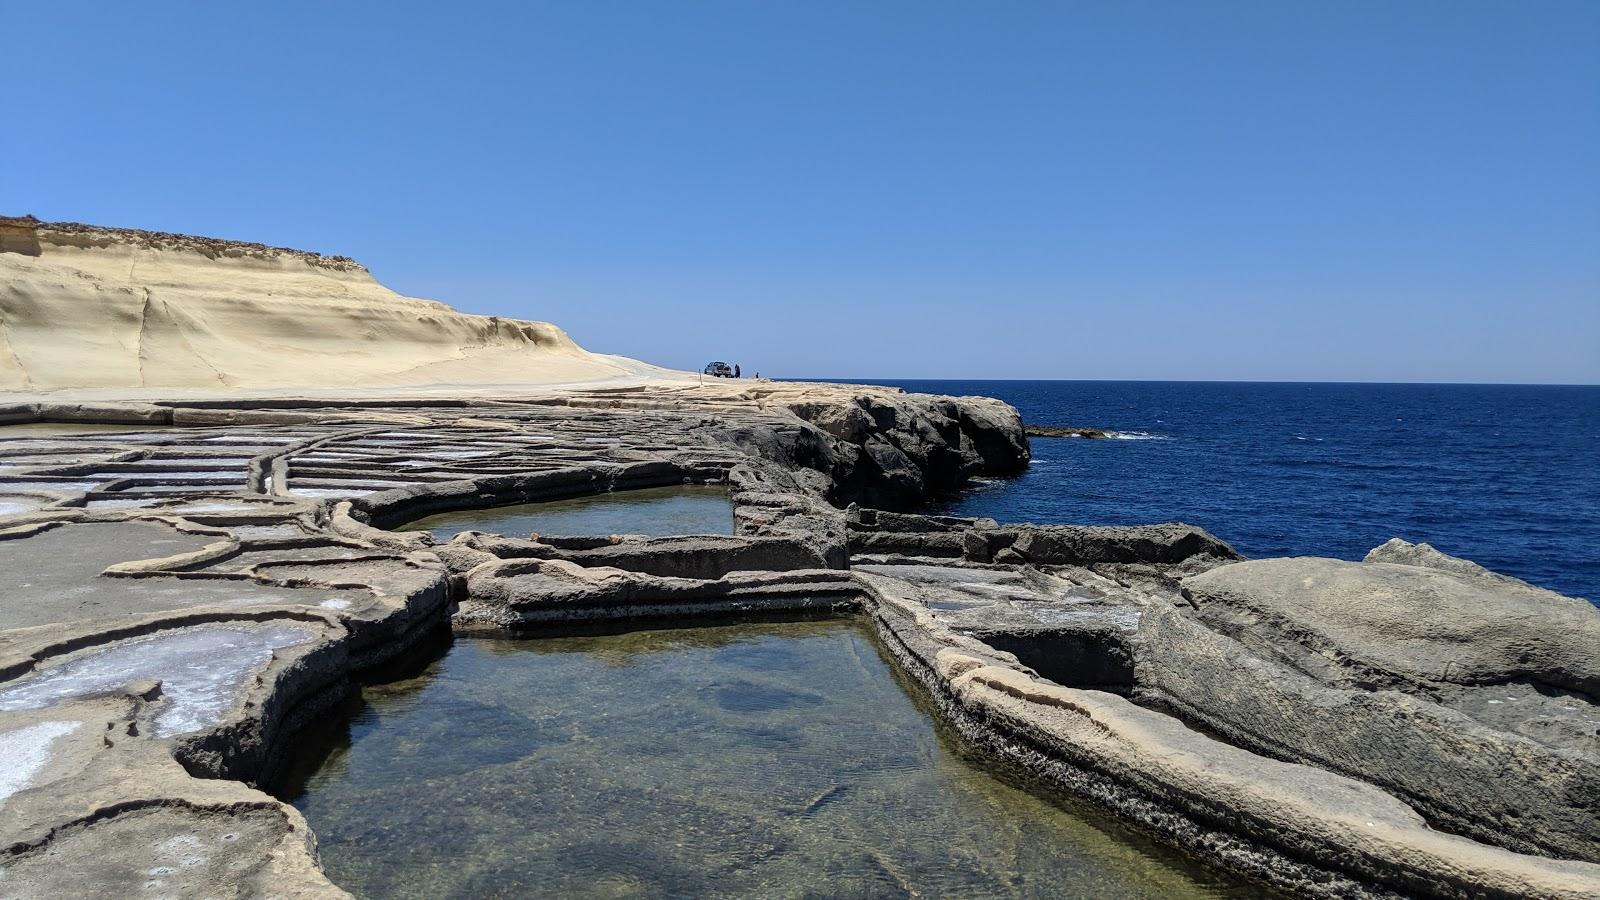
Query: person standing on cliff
point(736, 370)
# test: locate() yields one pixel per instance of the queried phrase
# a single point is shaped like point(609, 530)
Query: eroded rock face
point(153, 310)
point(1471, 695)
point(1047, 699)
point(893, 450)
point(1466, 693)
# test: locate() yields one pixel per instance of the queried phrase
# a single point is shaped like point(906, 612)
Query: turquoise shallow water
point(773, 760)
point(680, 509)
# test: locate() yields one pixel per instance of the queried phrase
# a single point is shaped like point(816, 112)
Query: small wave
point(1136, 436)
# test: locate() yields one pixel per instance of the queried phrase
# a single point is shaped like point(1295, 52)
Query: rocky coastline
point(1407, 725)
point(201, 556)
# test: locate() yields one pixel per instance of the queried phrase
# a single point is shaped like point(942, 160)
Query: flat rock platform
point(188, 584)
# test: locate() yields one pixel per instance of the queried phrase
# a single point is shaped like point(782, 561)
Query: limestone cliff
point(83, 306)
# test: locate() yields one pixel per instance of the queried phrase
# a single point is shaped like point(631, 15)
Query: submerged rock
point(1066, 431)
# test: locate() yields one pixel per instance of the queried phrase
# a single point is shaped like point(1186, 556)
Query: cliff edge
point(83, 306)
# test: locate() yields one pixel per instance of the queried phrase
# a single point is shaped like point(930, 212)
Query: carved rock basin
point(769, 760)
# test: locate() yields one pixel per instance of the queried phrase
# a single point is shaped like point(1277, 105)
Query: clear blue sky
point(1278, 190)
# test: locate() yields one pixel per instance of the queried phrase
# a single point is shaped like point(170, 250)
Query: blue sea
point(1505, 475)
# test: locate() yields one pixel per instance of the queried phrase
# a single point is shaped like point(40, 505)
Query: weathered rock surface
point(911, 446)
point(1405, 553)
point(1081, 545)
point(1472, 696)
point(1305, 829)
point(1384, 625)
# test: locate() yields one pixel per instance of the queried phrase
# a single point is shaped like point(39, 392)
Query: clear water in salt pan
point(680, 509)
point(774, 760)
point(201, 670)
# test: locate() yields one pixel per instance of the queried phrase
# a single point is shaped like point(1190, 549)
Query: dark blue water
point(1505, 475)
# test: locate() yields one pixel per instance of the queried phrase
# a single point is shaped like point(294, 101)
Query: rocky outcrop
point(1465, 693)
point(894, 450)
point(1473, 696)
point(123, 550)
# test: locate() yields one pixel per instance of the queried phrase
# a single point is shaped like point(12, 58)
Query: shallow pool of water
point(679, 509)
point(752, 760)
